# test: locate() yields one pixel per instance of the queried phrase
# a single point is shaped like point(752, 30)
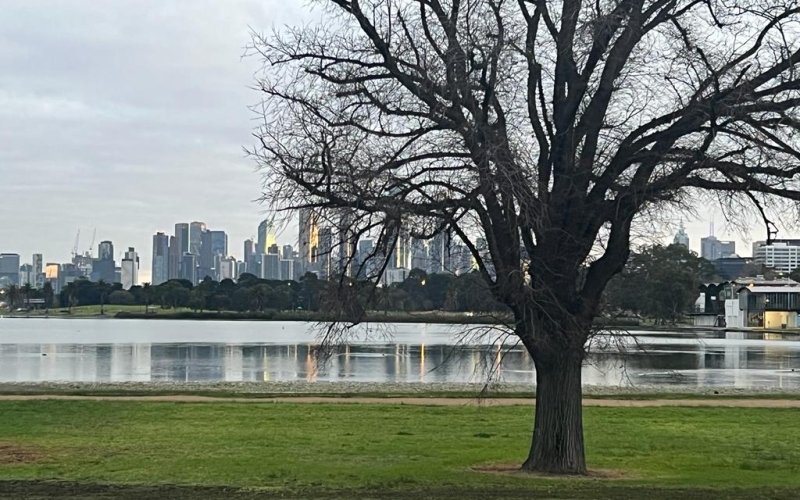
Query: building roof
point(771, 289)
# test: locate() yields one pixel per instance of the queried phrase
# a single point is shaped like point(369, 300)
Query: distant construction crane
point(77, 242)
point(91, 245)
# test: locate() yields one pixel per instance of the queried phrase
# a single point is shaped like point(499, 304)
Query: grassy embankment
point(155, 312)
point(137, 312)
point(382, 451)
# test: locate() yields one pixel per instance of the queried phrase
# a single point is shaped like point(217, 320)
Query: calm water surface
point(92, 350)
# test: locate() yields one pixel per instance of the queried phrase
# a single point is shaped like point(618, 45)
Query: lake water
point(93, 350)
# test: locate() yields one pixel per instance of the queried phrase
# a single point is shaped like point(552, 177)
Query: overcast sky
point(130, 116)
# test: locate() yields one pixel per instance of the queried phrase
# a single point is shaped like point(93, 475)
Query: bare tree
point(544, 128)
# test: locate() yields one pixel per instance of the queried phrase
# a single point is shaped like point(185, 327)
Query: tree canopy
point(536, 132)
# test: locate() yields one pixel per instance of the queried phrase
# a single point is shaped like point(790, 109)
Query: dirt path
point(740, 403)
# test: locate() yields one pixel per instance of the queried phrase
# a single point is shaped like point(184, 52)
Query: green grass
point(94, 310)
point(361, 450)
point(222, 393)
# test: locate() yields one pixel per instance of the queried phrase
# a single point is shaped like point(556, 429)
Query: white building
point(129, 273)
point(781, 255)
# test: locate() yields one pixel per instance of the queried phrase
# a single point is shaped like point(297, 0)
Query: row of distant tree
point(658, 282)
point(419, 292)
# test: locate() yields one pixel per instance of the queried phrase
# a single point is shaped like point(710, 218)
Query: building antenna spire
point(711, 229)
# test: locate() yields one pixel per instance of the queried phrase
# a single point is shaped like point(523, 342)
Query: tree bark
point(558, 427)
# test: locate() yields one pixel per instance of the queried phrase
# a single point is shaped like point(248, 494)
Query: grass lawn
point(94, 310)
point(382, 451)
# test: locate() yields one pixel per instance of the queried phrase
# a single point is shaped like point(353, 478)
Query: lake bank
point(377, 390)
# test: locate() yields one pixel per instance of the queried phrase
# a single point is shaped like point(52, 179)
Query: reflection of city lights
point(311, 367)
point(422, 361)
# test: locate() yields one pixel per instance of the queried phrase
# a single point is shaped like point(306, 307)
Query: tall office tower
point(419, 254)
point(174, 264)
point(266, 236)
point(287, 252)
point(105, 250)
point(364, 262)
point(226, 268)
point(214, 246)
point(325, 250)
point(241, 268)
point(274, 249)
point(51, 274)
point(38, 271)
point(308, 240)
point(196, 230)
point(712, 249)
point(26, 275)
point(103, 267)
point(249, 250)
point(189, 267)
point(182, 237)
point(130, 269)
point(345, 244)
point(160, 262)
point(9, 269)
point(270, 266)
point(438, 250)
point(287, 269)
point(681, 238)
point(205, 261)
point(401, 253)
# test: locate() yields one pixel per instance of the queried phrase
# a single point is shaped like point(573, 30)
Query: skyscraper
point(681, 238)
point(266, 236)
point(325, 249)
point(249, 248)
point(189, 267)
point(9, 269)
point(287, 252)
point(308, 240)
point(712, 249)
point(103, 267)
point(182, 237)
point(105, 250)
point(214, 246)
point(38, 271)
point(160, 262)
point(174, 266)
point(26, 275)
point(130, 269)
point(270, 266)
point(196, 230)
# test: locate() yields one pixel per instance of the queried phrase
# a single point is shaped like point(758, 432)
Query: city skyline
point(115, 143)
point(73, 153)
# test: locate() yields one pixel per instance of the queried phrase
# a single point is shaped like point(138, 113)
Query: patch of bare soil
point(515, 470)
point(11, 453)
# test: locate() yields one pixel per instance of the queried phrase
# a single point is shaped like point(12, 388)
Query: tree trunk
point(558, 427)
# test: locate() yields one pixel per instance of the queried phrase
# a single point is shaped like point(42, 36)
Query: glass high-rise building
point(160, 261)
point(38, 270)
point(129, 276)
point(196, 230)
point(174, 270)
point(9, 269)
point(266, 236)
point(105, 250)
point(182, 237)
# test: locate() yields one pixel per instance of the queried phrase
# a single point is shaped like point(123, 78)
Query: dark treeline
point(659, 282)
point(419, 292)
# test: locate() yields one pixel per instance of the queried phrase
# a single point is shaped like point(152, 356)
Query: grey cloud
point(127, 116)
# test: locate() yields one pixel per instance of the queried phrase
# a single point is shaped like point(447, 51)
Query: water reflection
point(729, 359)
